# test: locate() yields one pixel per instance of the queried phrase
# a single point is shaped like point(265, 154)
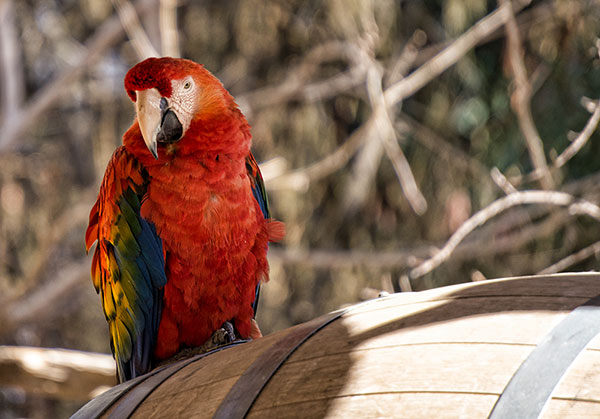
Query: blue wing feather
point(260, 194)
point(128, 268)
point(145, 270)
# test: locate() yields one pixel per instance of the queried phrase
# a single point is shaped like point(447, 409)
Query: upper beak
point(147, 106)
point(157, 122)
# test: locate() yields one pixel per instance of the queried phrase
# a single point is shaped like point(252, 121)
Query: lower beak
point(170, 128)
point(157, 122)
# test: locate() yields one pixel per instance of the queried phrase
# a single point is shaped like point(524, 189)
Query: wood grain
point(202, 385)
point(582, 380)
point(443, 353)
point(572, 409)
point(391, 405)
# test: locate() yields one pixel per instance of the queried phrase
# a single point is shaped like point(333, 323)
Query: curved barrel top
point(437, 353)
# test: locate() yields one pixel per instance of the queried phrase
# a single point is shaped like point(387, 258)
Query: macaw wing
point(128, 267)
point(260, 194)
point(258, 185)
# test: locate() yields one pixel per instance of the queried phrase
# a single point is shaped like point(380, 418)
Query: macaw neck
point(205, 139)
point(225, 133)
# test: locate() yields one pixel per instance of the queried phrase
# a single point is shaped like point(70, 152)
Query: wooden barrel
point(509, 348)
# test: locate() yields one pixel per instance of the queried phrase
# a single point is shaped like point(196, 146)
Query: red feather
point(199, 198)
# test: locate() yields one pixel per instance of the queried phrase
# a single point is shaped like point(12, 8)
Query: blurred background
point(381, 126)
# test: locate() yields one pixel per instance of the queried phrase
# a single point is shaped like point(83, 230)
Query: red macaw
point(182, 220)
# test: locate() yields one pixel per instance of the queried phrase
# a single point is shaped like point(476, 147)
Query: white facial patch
point(183, 100)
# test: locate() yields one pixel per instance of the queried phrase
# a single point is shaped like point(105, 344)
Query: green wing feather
point(128, 268)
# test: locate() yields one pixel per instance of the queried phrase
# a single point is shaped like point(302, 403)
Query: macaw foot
point(220, 337)
point(223, 336)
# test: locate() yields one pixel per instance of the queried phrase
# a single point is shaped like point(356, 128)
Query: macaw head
point(170, 95)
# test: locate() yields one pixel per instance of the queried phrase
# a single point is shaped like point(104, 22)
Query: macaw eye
point(187, 85)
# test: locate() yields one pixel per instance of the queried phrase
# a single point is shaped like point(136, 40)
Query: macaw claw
point(223, 336)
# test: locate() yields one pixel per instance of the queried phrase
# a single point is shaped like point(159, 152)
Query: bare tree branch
point(387, 135)
point(450, 55)
point(168, 28)
point(521, 98)
point(404, 283)
point(496, 207)
point(40, 303)
point(96, 46)
point(58, 373)
point(301, 178)
point(383, 137)
point(581, 139)
point(295, 85)
point(320, 258)
point(432, 67)
point(11, 70)
point(572, 259)
point(509, 234)
point(568, 153)
point(133, 27)
point(402, 65)
point(72, 218)
point(525, 19)
point(438, 145)
point(502, 182)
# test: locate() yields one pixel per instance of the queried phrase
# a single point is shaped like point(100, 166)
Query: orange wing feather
point(128, 267)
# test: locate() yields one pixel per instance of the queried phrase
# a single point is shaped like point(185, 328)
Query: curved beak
point(157, 121)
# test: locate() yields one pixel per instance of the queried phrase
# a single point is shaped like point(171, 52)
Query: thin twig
point(500, 180)
point(320, 258)
point(71, 218)
point(572, 259)
point(104, 37)
point(387, 135)
point(44, 298)
point(496, 207)
point(450, 55)
point(13, 85)
point(581, 139)
point(568, 153)
point(510, 231)
point(133, 27)
point(295, 85)
point(433, 67)
point(521, 233)
point(439, 145)
point(169, 36)
point(382, 138)
point(407, 57)
point(366, 164)
point(521, 98)
point(404, 283)
point(301, 178)
point(542, 12)
point(368, 158)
